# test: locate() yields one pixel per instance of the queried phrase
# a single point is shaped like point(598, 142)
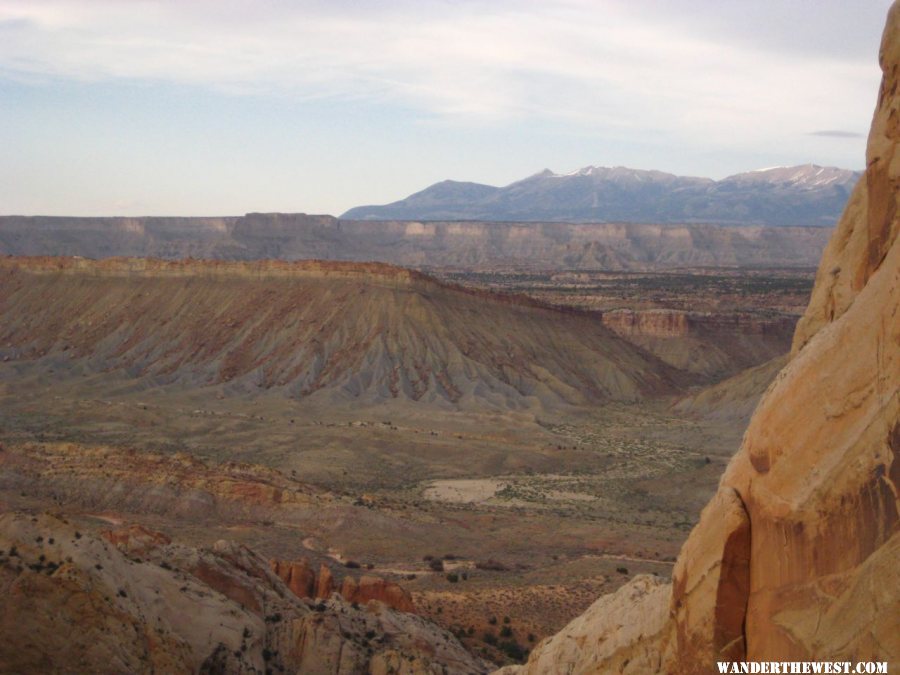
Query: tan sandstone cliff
point(796, 556)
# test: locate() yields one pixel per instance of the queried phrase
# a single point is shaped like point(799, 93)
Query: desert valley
point(500, 452)
point(610, 421)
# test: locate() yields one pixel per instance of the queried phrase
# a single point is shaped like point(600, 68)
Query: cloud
point(596, 65)
point(837, 133)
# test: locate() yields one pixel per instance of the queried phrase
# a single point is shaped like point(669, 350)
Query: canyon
point(293, 443)
point(305, 410)
point(795, 556)
point(477, 443)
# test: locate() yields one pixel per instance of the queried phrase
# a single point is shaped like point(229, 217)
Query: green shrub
point(513, 650)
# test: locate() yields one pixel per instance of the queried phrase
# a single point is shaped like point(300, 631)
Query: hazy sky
point(219, 107)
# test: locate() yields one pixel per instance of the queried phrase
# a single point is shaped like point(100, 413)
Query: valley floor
point(533, 515)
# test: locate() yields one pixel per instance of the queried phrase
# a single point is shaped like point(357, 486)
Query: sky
point(222, 107)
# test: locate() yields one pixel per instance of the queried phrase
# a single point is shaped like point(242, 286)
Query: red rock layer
point(304, 583)
point(375, 588)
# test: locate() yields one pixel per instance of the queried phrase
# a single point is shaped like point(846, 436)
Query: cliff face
point(305, 583)
point(819, 470)
point(674, 323)
point(712, 346)
point(869, 226)
point(795, 558)
point(296, 236)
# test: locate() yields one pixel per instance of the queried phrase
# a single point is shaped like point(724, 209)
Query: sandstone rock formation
point(297, 576)
point(796, 556)
point(177, 485)
point(375, 588)
point(617, 634)
point(71, 602)
point(304, 583)
point(135, 539)
point(325, 582)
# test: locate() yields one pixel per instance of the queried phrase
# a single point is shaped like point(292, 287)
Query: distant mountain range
point(806, 195)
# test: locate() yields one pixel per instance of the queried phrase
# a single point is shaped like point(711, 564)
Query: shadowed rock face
point(336, 332)
point(795, 558)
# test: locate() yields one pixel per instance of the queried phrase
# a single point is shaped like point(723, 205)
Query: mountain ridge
point(802, 195)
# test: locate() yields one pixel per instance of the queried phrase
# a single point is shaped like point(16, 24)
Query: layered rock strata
point(305, 583)
point(297, 236)
point(329, 332)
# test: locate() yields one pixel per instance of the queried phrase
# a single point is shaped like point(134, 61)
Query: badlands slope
point(329, 332)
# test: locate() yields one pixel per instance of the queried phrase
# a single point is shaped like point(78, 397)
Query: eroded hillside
point(327, 331)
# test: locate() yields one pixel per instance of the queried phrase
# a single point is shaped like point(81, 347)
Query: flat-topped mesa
point(373, 273)
point(253, 269)
point(524, 245)
point(336, 331)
